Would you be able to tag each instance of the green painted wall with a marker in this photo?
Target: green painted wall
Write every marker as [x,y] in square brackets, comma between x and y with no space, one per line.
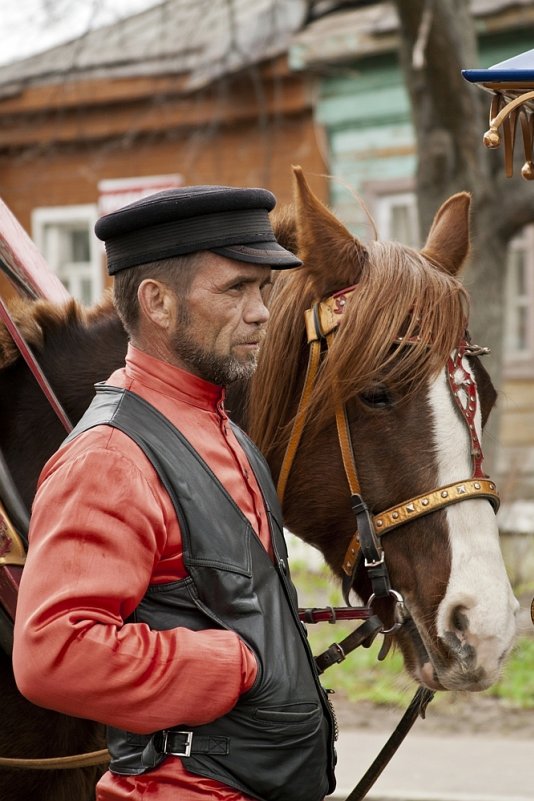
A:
[365,114]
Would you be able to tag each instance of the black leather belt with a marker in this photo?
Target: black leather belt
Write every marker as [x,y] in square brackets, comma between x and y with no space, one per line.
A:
[185,743]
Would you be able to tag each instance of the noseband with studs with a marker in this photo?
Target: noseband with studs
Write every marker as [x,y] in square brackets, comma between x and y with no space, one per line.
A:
[322,320]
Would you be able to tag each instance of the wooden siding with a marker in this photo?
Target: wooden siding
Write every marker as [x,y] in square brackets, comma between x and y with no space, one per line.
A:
[57,143]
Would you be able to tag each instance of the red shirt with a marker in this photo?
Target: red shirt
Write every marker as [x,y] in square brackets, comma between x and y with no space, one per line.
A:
[103,528]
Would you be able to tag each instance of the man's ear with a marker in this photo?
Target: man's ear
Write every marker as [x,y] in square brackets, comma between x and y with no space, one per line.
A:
[157,303]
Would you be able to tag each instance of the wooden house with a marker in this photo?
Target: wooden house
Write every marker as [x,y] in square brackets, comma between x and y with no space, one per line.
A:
[183,93]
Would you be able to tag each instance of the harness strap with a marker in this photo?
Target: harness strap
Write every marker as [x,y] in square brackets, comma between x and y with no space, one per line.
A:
[300,418]
[345,443]
[323,317]
[332,614]
[437,499]
[58,763]
[422,505]
[365,530]
[337,652]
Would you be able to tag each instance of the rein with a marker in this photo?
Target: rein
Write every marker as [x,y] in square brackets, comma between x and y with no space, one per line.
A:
[90,759]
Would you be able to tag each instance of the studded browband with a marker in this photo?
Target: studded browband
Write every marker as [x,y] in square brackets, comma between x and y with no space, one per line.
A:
[423,505]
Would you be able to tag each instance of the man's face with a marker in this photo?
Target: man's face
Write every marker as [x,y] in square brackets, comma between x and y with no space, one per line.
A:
[222,321]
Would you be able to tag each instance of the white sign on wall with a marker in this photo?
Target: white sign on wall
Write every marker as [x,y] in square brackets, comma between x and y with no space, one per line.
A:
[117,192]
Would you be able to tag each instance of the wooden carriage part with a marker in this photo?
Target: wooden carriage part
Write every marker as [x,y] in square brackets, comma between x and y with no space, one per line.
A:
[511,84]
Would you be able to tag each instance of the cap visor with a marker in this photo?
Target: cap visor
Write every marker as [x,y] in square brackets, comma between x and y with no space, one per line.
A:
[269,253]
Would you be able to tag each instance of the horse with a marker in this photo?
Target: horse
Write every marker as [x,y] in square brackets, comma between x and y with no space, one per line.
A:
[414,397]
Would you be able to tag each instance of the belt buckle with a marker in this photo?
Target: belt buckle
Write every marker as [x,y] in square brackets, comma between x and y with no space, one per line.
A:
[187,746]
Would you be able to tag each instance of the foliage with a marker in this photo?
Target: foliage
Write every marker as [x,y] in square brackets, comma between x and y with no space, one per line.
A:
[517,683]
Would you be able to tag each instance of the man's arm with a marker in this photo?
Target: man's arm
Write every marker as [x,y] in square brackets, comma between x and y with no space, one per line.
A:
[98,528]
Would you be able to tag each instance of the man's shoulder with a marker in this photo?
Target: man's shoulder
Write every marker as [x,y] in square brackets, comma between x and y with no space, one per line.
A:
[102,447]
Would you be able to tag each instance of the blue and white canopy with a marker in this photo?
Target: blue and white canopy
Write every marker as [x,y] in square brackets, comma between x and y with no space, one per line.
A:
[511,84]
[518,68]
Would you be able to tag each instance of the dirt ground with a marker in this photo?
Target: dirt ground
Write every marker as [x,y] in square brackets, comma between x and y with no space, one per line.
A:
[452,713]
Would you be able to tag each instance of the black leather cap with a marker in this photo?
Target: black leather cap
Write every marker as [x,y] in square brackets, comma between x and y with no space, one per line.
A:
[227,220]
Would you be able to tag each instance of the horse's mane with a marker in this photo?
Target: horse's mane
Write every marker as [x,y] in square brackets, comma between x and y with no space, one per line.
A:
[38,319]
[399,292]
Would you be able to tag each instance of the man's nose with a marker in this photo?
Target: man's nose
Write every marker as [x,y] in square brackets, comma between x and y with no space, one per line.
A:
[256,310]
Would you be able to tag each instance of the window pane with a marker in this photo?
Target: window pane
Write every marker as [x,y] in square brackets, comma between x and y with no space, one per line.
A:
[401,224]
[521,277]
[518,307]
[80,248]
[65,234]
[86,291]
[521,343]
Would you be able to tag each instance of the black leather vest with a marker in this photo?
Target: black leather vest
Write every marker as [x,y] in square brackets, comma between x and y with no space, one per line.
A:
[276,744]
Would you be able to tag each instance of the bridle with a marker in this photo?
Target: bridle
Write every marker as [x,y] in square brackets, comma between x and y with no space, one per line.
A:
[322,321]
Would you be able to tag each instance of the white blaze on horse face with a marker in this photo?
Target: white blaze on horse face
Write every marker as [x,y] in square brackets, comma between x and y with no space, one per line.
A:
[476,618]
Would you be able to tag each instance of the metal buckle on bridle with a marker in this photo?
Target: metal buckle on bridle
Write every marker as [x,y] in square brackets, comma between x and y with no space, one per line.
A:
[400,612]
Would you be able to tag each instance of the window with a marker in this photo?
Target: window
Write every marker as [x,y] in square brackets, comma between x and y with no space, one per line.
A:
[519,319]
[65,237]
[396,218]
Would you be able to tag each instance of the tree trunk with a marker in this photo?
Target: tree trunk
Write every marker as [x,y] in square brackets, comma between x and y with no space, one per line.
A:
[438,40]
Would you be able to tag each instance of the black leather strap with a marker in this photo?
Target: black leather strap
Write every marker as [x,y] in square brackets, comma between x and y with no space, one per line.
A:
[184,743]
[363,635]
[370,549]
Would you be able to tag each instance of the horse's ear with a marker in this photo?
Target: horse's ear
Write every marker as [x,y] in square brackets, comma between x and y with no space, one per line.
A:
[448,240]
[332,256]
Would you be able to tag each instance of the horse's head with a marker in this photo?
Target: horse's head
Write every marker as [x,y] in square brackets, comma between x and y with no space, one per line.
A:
[416,398]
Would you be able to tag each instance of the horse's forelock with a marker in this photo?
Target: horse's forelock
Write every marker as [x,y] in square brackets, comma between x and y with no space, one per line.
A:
[400,292]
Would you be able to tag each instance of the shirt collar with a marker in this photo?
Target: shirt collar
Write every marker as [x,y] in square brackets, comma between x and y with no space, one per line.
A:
[172,381]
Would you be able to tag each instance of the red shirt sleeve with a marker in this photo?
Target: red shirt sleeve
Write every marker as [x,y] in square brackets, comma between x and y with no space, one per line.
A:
[92,556]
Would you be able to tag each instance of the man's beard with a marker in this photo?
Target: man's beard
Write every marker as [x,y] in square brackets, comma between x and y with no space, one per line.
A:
[221,370]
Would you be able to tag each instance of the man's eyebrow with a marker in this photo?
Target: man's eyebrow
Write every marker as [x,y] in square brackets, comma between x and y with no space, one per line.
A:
[247,278]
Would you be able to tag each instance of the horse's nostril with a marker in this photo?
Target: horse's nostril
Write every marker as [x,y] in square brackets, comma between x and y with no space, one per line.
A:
[459,619]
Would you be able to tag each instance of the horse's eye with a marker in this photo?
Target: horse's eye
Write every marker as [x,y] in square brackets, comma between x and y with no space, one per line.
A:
[377,397]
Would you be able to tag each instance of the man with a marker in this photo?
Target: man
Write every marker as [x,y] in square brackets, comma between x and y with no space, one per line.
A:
[156,596]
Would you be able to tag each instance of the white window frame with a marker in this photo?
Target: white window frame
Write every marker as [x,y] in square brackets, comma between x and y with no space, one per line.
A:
[520,363]
[59,216]
[383,212]
[383,196]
